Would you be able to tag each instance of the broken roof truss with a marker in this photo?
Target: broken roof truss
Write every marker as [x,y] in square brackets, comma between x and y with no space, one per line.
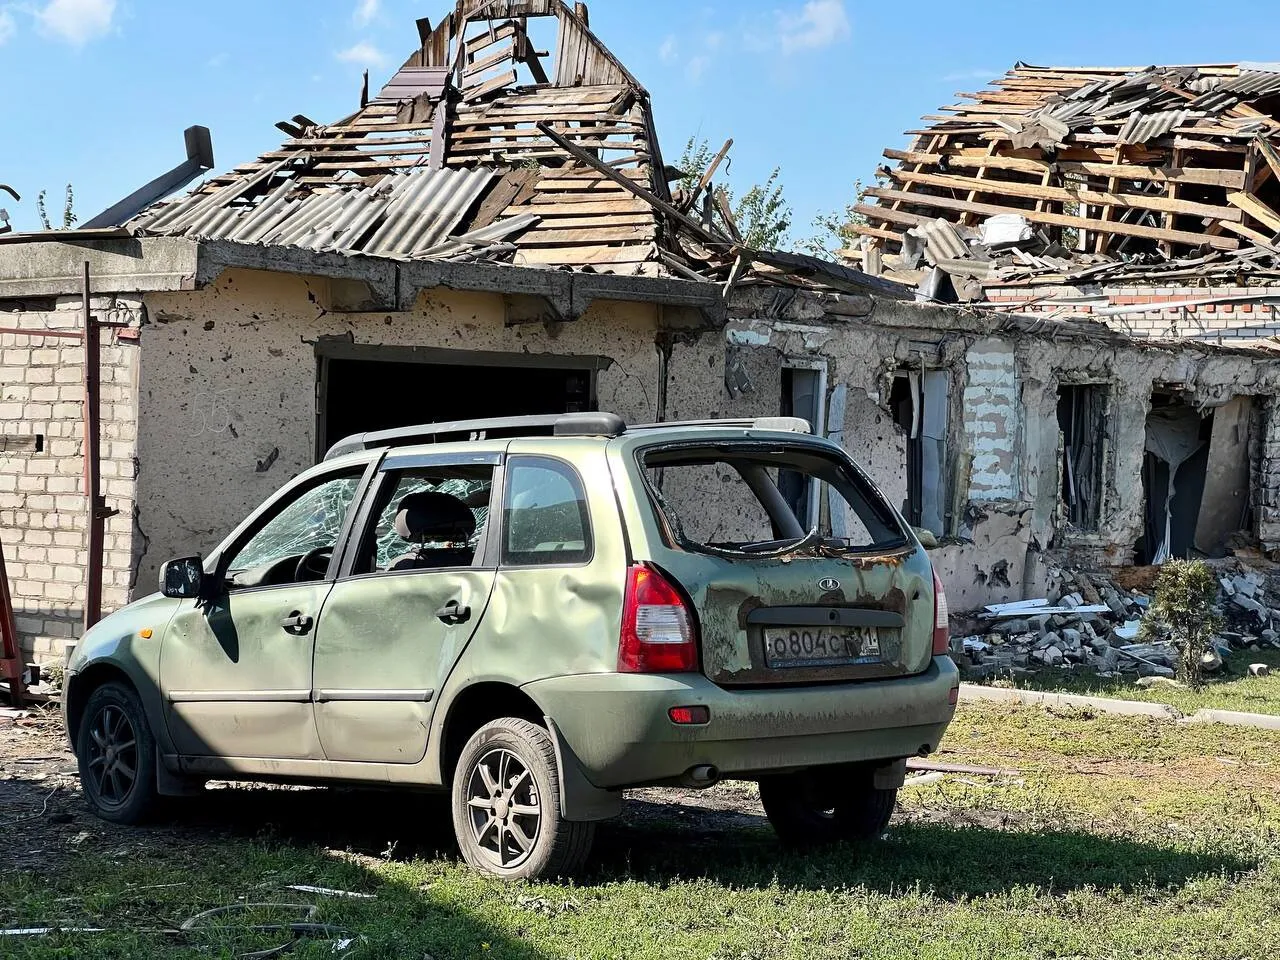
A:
[449,161]
[1100,169]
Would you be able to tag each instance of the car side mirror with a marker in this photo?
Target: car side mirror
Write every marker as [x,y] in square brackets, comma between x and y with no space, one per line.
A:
[183,579]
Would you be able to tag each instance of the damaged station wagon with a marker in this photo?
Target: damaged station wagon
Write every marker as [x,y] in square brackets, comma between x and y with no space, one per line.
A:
[535,615]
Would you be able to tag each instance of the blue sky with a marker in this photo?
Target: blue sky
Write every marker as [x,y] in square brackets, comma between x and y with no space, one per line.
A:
[97,92]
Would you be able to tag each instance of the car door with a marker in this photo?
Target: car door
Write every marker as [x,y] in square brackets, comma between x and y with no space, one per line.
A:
[235,669]
[405,607]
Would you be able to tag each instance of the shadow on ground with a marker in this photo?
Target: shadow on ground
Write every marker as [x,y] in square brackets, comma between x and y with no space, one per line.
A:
[660,841]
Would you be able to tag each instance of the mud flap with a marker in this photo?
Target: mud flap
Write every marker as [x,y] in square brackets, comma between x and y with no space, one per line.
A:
[171,783]
[891,776]
[581,801]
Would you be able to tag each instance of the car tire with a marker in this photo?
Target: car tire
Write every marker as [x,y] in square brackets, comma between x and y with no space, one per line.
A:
[116,753]
[507,809]
[819,807]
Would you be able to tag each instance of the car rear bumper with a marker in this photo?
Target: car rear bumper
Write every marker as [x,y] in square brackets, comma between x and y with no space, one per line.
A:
[619,729]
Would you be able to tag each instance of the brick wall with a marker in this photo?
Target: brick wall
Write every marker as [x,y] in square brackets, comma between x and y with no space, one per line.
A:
[991,420]
[43,510]
[1169,315]
[1268,478]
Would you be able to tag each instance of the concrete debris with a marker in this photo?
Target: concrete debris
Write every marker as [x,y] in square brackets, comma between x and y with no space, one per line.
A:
[1146,683]
[1259,670]
[1089,622]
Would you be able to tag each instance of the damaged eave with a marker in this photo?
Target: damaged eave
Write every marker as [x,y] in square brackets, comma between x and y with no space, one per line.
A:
[396,285]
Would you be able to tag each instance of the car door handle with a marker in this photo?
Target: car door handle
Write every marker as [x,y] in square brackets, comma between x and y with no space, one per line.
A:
[298,623]
[454,613]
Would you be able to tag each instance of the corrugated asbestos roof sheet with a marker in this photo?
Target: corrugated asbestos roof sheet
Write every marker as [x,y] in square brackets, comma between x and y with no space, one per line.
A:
[400,215]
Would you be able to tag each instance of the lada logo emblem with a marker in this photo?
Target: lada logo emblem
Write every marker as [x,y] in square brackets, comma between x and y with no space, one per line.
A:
[829,584]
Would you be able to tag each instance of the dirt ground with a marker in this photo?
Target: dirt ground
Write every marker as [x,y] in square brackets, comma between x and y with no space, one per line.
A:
[41,803]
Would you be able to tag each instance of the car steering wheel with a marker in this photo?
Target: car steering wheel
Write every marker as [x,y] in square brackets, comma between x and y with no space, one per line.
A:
[313,565]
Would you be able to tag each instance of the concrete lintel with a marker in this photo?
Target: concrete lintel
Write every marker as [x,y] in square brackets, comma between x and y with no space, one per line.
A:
[569,294]
[53,267]
[380,276]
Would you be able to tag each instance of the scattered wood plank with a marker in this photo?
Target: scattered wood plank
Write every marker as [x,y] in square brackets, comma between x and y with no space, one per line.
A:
[1056,219]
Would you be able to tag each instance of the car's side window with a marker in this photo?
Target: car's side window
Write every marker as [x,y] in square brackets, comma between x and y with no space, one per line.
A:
[546,520]
[306,526]
[427,518]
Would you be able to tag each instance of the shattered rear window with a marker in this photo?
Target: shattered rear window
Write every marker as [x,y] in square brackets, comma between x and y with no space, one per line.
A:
[748,500]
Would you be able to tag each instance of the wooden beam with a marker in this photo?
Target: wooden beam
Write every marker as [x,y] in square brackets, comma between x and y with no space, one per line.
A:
[657,203]
[1130,171]
[1256,209]
[1034,191]
[1269,154]
[708,175]
[1057,219]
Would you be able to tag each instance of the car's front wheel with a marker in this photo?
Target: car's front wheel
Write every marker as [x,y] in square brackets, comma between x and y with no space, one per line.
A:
[116,753]
[506,805]
[826,805]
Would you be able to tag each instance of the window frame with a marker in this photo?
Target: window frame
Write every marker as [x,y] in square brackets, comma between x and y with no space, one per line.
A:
[274,506]
[386,473]
[571,473]
[819,448]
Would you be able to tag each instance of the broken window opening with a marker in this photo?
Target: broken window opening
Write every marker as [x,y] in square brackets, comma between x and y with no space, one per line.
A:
[1195,477]
[1082,410]
[919,401]
[804,395]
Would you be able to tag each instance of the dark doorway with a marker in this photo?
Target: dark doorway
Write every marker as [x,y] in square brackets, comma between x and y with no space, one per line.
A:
[1082,420]
[1173,478]
[359,395]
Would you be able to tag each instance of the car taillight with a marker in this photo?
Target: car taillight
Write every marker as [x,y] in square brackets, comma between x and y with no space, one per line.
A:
[941,616]
[658,635]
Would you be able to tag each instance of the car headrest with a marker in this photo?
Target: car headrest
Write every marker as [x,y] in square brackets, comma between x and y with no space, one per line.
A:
[428,517]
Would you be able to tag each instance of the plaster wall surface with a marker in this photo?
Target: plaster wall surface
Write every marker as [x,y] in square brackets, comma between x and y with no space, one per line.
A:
[228,386]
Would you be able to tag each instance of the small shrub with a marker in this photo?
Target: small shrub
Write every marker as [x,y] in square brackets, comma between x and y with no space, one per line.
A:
[1183,610]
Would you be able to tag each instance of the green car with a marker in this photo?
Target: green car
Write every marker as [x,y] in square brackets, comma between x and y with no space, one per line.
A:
[534,615]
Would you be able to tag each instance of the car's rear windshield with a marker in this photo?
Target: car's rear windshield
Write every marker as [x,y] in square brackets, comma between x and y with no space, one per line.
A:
[753,498]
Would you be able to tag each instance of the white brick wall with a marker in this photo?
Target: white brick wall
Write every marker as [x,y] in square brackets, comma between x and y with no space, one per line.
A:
[991,421]
[43,510]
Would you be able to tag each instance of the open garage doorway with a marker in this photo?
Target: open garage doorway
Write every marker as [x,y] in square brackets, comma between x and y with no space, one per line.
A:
[364,388]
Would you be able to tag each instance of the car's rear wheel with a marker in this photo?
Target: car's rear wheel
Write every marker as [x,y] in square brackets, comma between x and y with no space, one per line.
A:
[506,805]
[826,805]
[116,753]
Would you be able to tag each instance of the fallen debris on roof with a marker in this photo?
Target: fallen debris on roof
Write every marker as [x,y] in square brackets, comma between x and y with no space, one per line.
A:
[484,148]
[1069,175]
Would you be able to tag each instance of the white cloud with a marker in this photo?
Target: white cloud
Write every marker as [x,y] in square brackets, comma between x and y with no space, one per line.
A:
[669,49]
[363,54]
[696,67]
[77,21]
[818,24]
[8,27]
[366,10]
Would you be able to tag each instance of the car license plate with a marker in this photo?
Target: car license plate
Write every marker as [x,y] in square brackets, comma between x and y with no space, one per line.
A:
[820,647]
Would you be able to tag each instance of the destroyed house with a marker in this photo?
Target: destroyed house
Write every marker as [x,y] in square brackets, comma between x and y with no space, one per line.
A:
[1147,197]
[494,232]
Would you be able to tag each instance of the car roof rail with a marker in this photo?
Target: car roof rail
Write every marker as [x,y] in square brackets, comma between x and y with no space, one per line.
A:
[774,424]
[555,425]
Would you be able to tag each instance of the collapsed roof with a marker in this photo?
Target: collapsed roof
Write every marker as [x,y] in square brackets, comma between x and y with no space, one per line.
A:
[484,148]
[1062,174]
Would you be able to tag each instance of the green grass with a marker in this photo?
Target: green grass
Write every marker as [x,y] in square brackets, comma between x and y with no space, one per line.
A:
[1119,837]
[1233,690]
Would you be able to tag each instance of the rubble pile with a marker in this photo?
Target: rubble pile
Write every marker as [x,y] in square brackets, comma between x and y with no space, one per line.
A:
[1088,622]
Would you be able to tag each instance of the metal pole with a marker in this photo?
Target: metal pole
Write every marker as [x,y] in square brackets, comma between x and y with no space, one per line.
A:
[92,460]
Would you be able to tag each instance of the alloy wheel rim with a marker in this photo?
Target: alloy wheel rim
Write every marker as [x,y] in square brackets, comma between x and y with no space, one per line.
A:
[113,756]
[504,808]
